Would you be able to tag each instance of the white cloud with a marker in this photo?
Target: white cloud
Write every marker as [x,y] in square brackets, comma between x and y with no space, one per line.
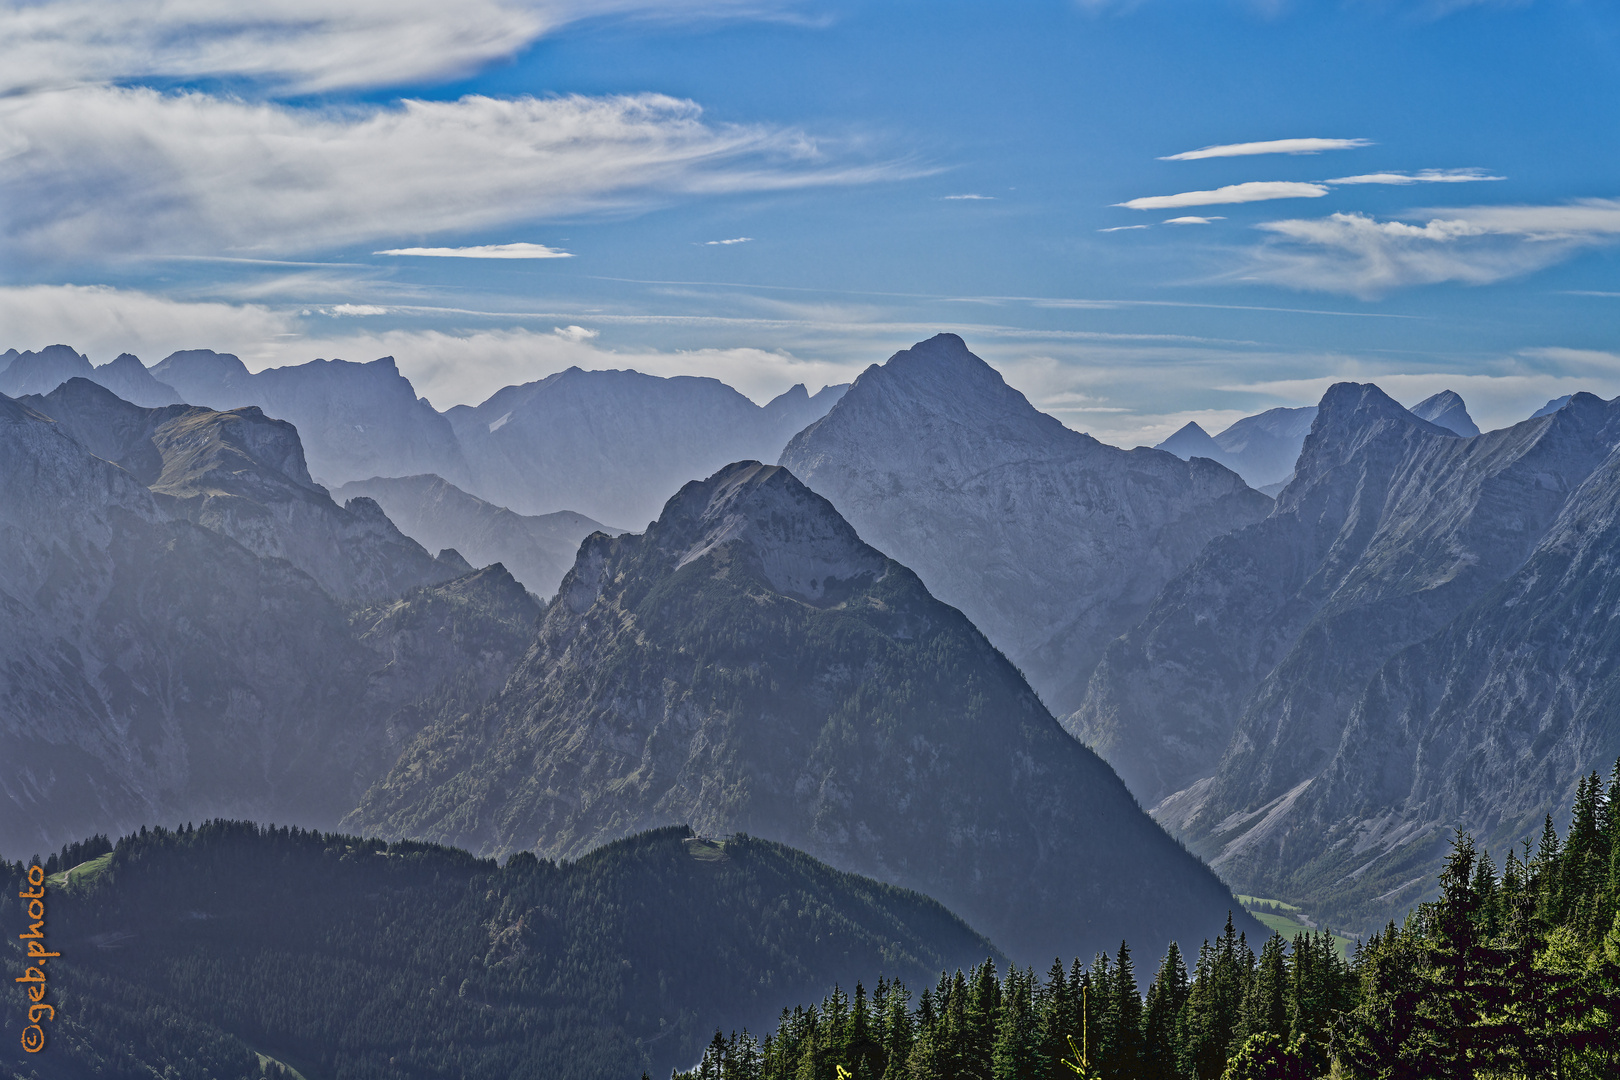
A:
[1192,220]
[1124,228]
[294,46]
[357,309]
[733,240]
[133,170]
[948,198]
[1273,146]
[1254,191]
[1425,176]
[575,333]
[102,322]
[1362,256]
[483,251]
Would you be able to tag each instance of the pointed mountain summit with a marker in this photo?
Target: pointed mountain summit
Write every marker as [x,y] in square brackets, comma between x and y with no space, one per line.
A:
[1552,406]
[1050,541]
[1190,441]
[1230,705]
[1447,409]
[43,371]
[749,664]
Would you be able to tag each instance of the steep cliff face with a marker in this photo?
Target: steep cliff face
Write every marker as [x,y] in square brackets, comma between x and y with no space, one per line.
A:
[748,664]
[1049,541]
[355,420]
[154,666]
[1260,654]
[614,444]
[537,550]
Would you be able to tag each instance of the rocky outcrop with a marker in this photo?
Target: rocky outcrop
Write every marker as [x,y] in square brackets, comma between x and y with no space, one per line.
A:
[43,371]
[1051,542]
[749,664]
[614,444]
[1268,652]
[355,420]
[431,510]
[1446,409]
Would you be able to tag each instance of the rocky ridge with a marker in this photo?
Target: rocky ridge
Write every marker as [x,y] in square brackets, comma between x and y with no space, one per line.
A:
[1051,542]
[749,664]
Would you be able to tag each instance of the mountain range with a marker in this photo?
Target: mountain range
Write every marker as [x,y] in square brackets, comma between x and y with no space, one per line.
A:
[1409,643]
[1051,542]
[749,664]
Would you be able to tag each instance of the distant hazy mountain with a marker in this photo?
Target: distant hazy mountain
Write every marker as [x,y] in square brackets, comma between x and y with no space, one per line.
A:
[1315,655]
[355,420]
[1447,409]
[175,645]
[749,664]
[44,371]
[537,550]
[1050,541]
[1260,448]
[614,444]
[620,964]
[1552,406]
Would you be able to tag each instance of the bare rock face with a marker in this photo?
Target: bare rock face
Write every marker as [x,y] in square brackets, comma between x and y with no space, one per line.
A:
[538,550]
[355,420]
[1308,655]
[748,664]
[1051,542]
[614,444]
[168,649]
[43,371]
[1260,448]
[1448,411]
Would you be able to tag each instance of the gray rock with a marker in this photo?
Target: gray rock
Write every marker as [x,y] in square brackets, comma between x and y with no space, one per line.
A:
[1448,411]
[1051,542]
[42,372]
[1260,448]
[614,444]
[537,550]
[749,664]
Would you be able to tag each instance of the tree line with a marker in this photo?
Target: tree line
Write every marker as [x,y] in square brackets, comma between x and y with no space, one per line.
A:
[1508,973]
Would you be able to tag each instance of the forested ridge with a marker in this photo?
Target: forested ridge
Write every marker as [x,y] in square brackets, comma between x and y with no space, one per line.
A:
[218,952]
[1508,974]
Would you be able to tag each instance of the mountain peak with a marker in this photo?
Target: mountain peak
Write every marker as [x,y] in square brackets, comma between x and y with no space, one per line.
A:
[789,535]
[1448,411]
[1190,441]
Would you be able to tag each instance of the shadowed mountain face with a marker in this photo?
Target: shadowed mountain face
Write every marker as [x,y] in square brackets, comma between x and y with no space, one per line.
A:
[1050,541]
[622,963]
[614,444]
[1274,649]
[1447,410]
[749,664]
[355,420]
[44,371]
[537,550]
[1260,448]
[176,642]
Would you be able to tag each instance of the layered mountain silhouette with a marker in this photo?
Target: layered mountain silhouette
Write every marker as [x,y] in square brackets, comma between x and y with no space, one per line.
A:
[614,444]
[749,664]
[191,624]
[355,420]
[42,372]
[1260,448]
[1325,656]
[1050,541]
[537,550]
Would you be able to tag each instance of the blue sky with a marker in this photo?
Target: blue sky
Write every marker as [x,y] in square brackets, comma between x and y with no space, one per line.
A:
[173,177]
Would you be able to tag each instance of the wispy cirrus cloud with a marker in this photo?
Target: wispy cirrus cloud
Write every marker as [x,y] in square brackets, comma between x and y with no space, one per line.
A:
[108,170]
[969,197]
[1192,219]
[297,46]
[1270,146]
[1254,191]
[1424,176]
[1362,256]
[728,243]
[483,251]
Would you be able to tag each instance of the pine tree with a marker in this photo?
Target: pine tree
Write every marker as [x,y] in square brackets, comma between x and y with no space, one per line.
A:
[1119,1051]
[1058,1021]
[1017,1050]
[1163,1026]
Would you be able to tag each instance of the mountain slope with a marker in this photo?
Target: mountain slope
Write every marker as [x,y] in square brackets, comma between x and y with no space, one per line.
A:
[614,444]
[1049,541]
[355,420]
[537,550]
[433,963]
[152,665]
[749,664]
[242,474]
[1258,655]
